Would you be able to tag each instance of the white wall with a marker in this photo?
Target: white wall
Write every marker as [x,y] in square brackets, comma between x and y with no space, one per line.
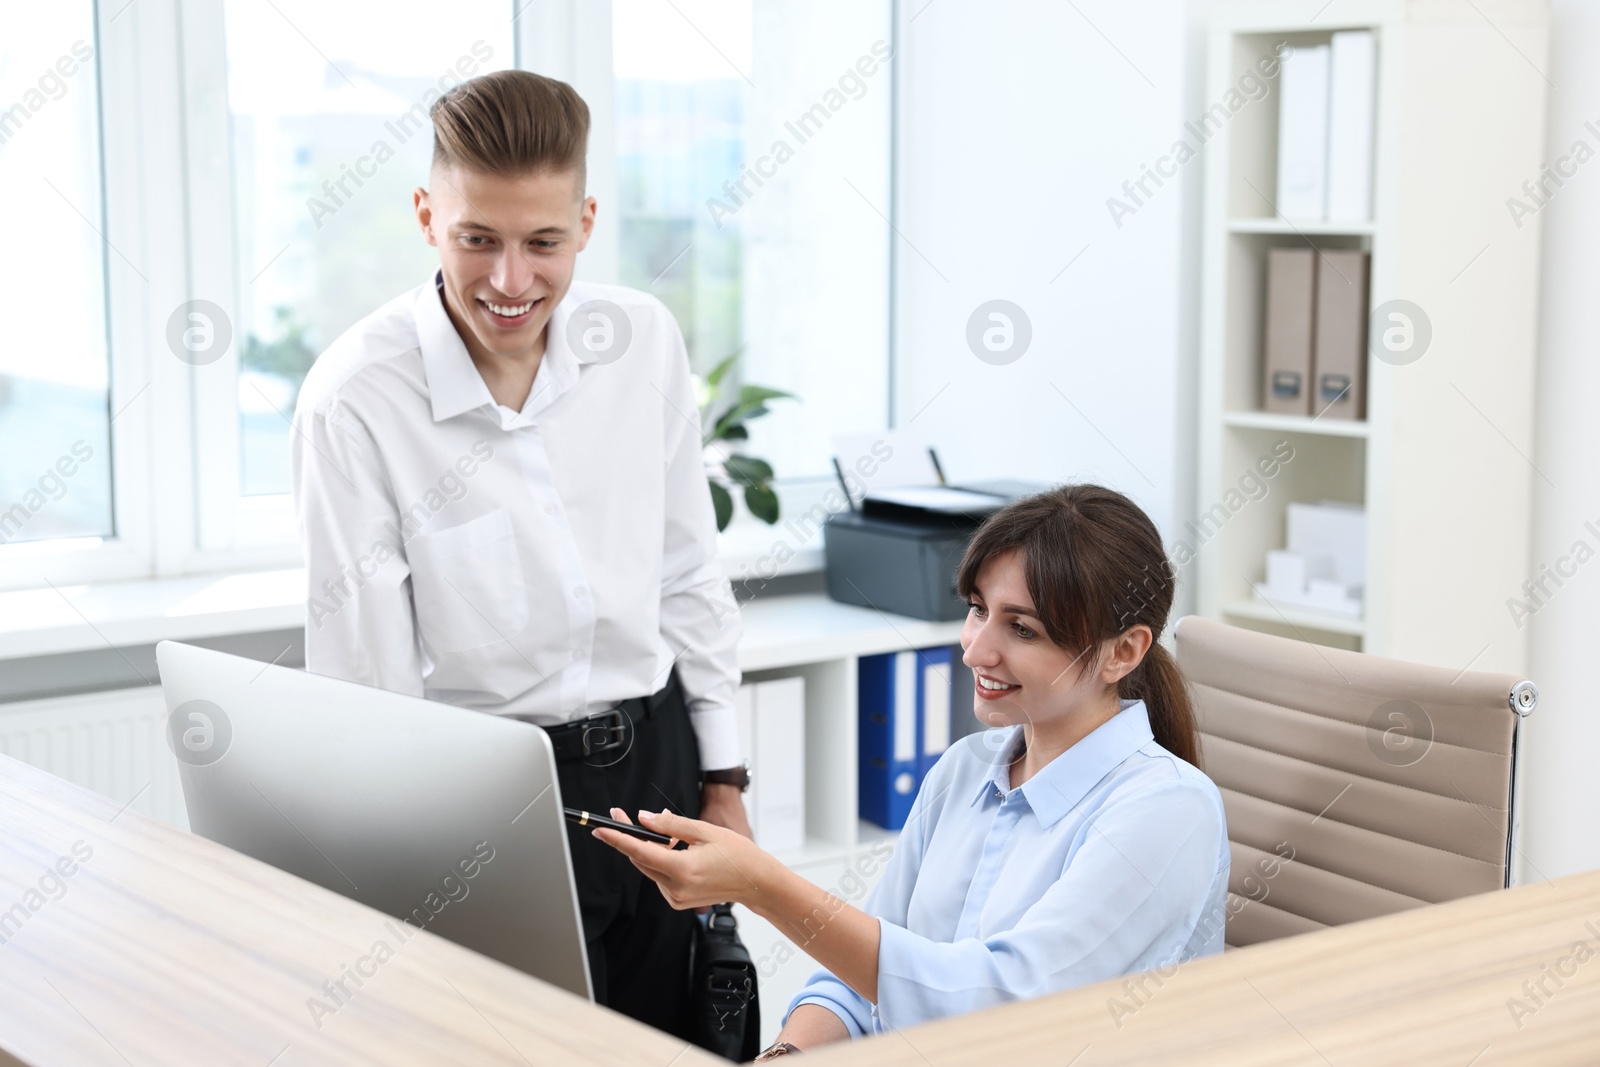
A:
[1017,122]
[816,300]
[1561,788]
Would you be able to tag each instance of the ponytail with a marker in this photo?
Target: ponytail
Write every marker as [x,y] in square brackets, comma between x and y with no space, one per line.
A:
[1160,684]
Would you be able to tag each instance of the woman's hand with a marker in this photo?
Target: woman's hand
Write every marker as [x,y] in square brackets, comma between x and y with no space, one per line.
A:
[719,864]
[722,865]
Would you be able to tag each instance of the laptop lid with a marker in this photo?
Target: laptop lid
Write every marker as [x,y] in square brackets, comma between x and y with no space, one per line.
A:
[446,818]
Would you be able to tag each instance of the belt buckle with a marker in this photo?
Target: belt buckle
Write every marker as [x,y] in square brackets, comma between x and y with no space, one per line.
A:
[598,736]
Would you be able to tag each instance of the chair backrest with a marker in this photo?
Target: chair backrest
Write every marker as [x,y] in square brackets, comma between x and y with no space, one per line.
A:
[1355,786]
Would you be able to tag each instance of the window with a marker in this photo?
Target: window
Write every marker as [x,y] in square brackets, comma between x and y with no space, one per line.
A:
[680,132]
[753,174]
[328,123]
[327,134]
[237,171]
[55,415]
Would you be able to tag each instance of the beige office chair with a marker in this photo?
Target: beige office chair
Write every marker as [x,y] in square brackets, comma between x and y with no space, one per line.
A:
[1390,784]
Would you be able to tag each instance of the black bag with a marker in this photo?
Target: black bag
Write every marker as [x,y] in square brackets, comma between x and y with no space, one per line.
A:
[726,1011]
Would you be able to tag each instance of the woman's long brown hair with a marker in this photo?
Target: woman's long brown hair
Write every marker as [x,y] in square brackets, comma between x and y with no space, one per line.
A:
[1095,565]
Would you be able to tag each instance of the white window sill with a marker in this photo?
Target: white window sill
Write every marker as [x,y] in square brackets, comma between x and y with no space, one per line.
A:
[76,618]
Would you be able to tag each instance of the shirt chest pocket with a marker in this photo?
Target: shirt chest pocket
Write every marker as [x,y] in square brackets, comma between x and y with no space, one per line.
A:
[467,584]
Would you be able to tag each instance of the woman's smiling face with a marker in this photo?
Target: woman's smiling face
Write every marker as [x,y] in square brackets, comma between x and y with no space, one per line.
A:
[1019,674]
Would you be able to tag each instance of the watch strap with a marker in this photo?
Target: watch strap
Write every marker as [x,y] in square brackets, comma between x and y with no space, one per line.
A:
[739,776]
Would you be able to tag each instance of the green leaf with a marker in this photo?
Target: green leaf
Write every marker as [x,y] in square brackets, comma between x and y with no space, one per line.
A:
[762,502]
[721,370]
[730,418]
[737,413]
[736,432]
[723,503]
[749,470]
[755,394]
[750,405]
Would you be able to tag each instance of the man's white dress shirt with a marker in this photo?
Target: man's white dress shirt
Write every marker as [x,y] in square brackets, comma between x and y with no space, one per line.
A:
[545,562]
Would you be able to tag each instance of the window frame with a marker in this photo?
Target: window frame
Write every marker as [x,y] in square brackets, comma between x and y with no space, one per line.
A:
[149,446]
[177,508]
[231,529]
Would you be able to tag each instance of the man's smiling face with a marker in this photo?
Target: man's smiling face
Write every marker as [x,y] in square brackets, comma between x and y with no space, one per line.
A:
[507,247]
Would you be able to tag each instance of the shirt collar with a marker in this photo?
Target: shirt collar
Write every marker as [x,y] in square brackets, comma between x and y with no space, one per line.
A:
[454,384]
[1057,788]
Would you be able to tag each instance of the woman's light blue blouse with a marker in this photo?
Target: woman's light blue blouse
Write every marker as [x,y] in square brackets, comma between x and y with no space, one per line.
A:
[1110,860]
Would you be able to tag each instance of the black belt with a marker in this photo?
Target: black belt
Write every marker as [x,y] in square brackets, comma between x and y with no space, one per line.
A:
[608,730]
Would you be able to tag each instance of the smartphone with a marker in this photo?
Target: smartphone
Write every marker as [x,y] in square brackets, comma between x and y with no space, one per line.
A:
[589,818]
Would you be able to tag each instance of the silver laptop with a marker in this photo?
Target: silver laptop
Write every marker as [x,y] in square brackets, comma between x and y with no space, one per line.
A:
[446,818]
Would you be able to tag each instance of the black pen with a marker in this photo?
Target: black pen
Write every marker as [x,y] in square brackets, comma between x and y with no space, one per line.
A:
[589,818]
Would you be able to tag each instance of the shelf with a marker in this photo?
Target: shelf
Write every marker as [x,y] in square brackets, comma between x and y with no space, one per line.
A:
[818,850]
[1309,229]
[803,628]
[1263,420]
[1305,618]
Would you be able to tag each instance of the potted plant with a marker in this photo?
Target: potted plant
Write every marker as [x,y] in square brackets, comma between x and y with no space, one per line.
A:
[726,468]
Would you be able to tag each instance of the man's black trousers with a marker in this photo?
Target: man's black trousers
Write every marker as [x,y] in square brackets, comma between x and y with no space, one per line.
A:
[639,946]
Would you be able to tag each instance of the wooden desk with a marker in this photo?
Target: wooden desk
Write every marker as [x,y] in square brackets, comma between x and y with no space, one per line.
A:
[166,948]
[1430,986]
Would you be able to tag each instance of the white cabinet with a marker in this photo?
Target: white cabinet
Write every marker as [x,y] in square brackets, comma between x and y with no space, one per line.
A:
[1442,461]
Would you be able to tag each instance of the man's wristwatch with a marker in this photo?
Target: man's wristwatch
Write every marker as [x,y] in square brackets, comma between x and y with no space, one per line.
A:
[776,1049]
[739,776]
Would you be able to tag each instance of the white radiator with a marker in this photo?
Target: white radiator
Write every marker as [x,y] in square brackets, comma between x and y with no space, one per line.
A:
[113,743]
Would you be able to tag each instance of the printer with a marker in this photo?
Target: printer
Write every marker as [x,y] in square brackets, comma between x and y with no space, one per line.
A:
[897,552]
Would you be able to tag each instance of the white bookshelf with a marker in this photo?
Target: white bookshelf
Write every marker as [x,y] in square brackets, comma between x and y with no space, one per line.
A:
[1440,460]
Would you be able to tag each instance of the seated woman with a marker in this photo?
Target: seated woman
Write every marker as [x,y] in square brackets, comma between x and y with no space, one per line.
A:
[1074,842]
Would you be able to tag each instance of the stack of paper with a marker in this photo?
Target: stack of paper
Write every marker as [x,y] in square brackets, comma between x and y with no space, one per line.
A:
[1324,566]
[938,498]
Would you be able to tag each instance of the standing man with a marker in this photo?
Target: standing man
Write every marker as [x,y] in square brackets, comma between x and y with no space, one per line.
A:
[503,506]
